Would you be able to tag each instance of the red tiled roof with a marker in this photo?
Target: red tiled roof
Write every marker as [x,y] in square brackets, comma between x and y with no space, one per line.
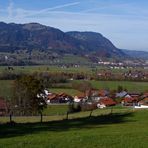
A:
[130,99]
[144,101]
[50,97]
[56,96]
[81,95]
[102,92]
[107,101]
[64,95]
[146,94]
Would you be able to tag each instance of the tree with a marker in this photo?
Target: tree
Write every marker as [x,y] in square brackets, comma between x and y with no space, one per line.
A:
[119,89]
[82,86]
[29,95]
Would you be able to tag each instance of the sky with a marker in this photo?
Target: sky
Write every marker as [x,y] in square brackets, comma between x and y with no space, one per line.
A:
[124,22]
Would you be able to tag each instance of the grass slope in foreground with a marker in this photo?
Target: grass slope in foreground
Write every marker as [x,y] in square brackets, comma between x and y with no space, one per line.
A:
[127,130]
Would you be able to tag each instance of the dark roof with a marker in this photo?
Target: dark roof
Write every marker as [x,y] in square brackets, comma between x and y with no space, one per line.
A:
[135,93]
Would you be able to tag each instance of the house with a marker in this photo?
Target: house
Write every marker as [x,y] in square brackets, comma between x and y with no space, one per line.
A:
[105,102]
[129,101]
[80,97]
[93,95]
[52,98]
[134,94]
[121,94]
[145,95]
[103,93]
[59,98]
[142,104]
[65,98]
[3,107]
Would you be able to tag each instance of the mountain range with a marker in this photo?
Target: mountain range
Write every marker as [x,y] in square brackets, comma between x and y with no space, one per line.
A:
[136,54]
[34,36]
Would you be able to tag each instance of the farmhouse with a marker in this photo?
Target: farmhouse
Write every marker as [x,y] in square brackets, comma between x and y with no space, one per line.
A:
[129,101]
[105,102]
[80,97]
[143,102]
[145,95]
[121,94]
[59,98]
[103,93]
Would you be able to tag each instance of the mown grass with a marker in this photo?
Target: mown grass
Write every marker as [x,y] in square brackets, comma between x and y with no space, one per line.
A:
[46,68]
[130,86]
[113,85]
[119,130]
[71,92]
[56,110]
[59,112]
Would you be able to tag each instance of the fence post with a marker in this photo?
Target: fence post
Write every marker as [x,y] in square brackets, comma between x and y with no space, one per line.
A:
[10,117]
[67,115]
[41,117]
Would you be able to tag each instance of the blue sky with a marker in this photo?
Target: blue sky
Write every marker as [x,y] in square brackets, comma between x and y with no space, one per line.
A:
[124,22]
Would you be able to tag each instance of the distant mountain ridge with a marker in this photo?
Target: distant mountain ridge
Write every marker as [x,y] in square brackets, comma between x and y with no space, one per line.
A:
[98,44]
[136,54]
[34,36]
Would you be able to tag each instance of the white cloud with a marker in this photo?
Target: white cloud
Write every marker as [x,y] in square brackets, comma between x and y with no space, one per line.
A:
[27,13]
[10,9]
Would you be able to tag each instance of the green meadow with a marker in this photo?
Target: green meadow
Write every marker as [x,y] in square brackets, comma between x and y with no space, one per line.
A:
[129,85]
[121,129]
[7,85]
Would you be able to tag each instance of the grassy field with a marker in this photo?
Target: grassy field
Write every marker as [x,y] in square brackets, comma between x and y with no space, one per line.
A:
[71,92]
[59,112]
[131,86]
[56,110]
[6,87]
[46,68]
[51,68]
[120,130]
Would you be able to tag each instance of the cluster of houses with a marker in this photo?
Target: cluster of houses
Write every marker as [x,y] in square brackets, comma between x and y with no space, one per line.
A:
[130,75]
[93,98]
[102,98]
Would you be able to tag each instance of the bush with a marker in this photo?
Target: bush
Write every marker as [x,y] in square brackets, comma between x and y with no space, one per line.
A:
[74,107]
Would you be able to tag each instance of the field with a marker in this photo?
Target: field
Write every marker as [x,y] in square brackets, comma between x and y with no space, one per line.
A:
[6,87]
[131,86]
[118,130]
[117,127]
[46,68]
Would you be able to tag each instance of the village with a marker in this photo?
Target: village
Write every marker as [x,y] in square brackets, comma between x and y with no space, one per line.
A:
[89,100]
